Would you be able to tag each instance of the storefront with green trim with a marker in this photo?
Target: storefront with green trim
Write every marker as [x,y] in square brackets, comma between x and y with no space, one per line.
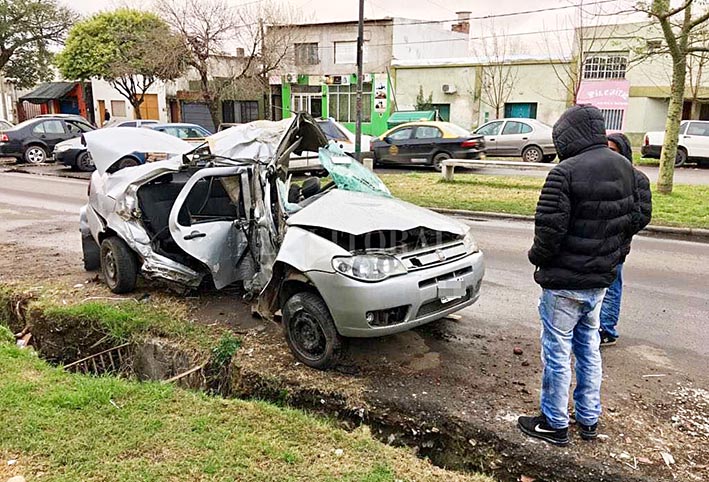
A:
[335,96]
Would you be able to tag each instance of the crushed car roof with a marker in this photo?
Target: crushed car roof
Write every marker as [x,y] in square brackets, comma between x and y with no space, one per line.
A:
[109,145]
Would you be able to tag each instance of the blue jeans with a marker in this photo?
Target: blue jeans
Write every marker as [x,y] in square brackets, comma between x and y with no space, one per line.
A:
[570,323]
[610,309]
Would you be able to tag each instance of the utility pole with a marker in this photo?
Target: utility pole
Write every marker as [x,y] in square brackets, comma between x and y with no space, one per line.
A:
[360,41]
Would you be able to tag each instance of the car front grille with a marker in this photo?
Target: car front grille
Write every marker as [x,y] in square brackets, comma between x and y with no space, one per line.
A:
[450,275]
[433,256]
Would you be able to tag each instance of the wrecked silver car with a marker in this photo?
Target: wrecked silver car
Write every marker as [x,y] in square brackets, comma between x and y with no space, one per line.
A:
[338,259]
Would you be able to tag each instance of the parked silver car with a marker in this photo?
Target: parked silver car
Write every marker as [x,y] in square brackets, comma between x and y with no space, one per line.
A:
[346,259]
[526,138]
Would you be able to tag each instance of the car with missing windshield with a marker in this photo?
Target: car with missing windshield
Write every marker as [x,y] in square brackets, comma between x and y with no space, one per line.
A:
[426,143]
[343,259]
[529,139]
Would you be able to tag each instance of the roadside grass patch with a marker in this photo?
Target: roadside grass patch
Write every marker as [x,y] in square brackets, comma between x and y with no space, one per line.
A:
[687,206]
[77,427]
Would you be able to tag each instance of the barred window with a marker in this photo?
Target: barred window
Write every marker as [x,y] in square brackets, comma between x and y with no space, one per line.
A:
[605,67]
[613,118]
[343,102]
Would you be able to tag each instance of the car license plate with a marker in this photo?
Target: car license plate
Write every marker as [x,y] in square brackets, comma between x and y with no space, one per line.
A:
[451,290]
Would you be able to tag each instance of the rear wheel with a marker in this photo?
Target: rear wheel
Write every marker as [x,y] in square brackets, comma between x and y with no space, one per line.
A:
[84,162]
[118,265]
[310,331]
[681,157]
[35,155]
[532,154]
[438,160]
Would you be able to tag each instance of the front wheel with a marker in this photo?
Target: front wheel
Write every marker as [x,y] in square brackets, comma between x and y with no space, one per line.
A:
[681,157]
[549,158]
[119,265]
[310,331]
[438,160]
[532,154]
[84,162]
[35,155]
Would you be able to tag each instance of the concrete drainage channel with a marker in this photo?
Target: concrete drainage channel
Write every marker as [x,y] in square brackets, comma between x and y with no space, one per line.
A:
[446,441]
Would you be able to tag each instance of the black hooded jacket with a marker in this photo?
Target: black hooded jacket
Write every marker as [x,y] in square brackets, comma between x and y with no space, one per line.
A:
[643,194]
[585,214]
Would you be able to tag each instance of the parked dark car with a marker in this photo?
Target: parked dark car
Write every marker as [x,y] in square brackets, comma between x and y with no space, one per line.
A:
[34,140]
[426,143]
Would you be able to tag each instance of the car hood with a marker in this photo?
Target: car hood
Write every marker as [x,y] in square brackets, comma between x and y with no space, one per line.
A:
[358,213]
[109,145]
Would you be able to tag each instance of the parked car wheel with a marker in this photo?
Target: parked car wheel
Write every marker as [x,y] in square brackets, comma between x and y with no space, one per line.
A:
[549,158]
[35,155]
[310,331]
[118,265]
[532,154]
[84,162]
[681,157]
[91,252]
[438,160]
[127,162]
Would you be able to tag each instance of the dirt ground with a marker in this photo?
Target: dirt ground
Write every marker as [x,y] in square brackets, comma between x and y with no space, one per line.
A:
[656,417]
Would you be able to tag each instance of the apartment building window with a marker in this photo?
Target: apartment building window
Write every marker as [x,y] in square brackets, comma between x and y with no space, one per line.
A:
[307,54]
[346,52]
[605,67]
[613,118]
[342,102]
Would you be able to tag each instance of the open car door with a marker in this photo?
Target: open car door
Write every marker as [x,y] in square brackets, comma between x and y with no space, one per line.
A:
[209,222]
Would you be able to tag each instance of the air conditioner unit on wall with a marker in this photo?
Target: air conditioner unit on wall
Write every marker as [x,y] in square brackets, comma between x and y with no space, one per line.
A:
[291,78]
[448,88]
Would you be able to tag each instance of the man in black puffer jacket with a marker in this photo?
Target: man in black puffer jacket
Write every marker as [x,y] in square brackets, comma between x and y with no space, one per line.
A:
[584,219]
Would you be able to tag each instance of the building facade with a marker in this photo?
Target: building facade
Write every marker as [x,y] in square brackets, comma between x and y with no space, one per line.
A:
[319,74]
[457,89]
[107,99]
[624,72]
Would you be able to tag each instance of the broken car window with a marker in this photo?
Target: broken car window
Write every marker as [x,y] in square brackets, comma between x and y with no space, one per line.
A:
[350,175]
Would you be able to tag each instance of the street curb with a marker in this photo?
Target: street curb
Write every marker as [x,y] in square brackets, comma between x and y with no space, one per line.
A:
[696,234]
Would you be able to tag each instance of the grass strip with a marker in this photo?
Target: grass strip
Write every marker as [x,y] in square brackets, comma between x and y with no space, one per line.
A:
[75,427]
[687,206]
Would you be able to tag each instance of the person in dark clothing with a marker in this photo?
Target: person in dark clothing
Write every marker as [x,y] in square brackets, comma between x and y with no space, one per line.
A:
[610,308]
[106,116]
[584,219]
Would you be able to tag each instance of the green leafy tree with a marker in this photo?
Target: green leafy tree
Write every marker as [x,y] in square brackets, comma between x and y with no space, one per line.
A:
[128,48]
[28,29]
[422,102]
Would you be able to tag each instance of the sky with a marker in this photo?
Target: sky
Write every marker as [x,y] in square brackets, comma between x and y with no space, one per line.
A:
[523,30]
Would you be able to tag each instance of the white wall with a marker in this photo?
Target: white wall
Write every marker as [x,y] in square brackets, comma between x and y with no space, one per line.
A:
[102,90]
[413,40]
[463,107]
[646,114]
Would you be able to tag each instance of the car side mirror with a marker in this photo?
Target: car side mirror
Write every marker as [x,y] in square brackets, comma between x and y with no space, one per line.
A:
[387,139]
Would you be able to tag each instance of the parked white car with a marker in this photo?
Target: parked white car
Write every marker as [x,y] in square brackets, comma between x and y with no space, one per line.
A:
[693,143]
[342,260]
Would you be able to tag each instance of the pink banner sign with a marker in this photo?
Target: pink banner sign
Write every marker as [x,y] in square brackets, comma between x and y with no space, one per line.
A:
[604,94]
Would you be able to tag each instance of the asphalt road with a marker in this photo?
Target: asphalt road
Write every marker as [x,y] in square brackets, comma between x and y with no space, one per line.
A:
[665,304]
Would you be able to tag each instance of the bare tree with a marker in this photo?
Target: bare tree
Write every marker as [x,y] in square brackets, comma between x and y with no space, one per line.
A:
[213,32]
[697,63]
[586,37]
[680,29]
[499,74]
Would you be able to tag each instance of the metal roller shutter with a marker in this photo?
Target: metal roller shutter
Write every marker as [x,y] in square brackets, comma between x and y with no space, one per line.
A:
[197,113]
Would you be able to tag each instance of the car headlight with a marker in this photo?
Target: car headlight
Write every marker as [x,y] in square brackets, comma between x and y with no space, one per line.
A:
[470,245]
[61,148]
[368,267]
